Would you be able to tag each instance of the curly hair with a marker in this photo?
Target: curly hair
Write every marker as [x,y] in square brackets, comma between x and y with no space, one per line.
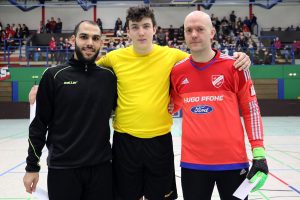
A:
[138,13]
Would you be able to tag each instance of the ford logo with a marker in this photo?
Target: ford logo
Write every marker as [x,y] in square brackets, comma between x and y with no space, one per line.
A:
[201,109]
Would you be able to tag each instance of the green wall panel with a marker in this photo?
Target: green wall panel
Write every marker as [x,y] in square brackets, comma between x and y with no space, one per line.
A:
[291,82]
[266,72]
[26,77]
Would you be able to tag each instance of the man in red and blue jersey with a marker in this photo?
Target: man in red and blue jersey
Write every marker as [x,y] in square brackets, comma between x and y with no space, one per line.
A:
[210,92]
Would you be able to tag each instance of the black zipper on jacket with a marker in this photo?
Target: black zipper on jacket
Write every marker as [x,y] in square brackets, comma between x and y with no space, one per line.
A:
[86,68]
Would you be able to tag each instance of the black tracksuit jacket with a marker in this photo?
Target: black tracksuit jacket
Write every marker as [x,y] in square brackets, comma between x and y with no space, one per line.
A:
[74,104]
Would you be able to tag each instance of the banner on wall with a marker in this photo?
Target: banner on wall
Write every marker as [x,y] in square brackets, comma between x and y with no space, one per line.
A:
[4,73]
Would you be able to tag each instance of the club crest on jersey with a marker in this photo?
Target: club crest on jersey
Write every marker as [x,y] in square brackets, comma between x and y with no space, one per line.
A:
[201,109]
[217,80]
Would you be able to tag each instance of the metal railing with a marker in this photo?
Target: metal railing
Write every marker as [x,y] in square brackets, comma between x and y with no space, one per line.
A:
[43,56]
[10,45]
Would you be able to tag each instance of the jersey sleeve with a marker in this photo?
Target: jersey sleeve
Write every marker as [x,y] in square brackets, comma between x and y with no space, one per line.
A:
[105,61]
[250,109]
[175,96]
[39,126]
[181,55]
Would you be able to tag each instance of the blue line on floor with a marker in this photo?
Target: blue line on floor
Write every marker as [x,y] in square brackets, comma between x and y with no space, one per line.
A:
[9,170]
[296,190]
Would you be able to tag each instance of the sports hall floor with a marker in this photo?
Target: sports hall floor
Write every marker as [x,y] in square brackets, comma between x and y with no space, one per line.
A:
[282,140]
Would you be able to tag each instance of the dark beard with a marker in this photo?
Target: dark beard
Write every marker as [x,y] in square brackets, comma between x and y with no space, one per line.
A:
[81,58]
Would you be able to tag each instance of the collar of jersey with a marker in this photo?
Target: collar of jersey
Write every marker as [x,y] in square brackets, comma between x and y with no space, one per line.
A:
[206,65]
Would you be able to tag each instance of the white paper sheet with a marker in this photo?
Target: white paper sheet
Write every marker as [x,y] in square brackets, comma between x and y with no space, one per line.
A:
[245,188]
[32,111]
[40,194]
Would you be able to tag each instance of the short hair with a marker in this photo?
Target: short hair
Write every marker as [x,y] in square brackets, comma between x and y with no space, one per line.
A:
[86,21]
[137,13]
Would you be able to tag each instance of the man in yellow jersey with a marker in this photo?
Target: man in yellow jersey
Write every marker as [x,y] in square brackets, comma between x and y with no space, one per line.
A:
[143,159]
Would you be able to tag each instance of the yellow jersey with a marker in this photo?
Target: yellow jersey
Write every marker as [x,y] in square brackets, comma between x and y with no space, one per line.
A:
[143,85]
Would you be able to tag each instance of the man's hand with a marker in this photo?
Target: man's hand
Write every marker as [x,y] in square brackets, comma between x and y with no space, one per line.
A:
[32,94]
[171,107]
[243,61]
[30,181]
[259,169]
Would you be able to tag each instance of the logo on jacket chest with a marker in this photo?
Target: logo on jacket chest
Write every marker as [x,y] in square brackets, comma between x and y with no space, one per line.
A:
[70,82]
[217,80]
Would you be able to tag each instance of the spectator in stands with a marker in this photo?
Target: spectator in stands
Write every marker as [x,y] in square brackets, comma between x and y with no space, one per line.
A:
[224,26]
[239,25]
[123,42]
[161,37]
[9,31]
[110,46]
[267,57]
[277,43]
[99,22]
[13,27]
[247,22]
[120,44]
[297,28]
[252,44]
[60,51]
[58,27]
[296,46]
[37,54]
[224,20]
[2,39]
[174,43]
[232,18]
[120,32]
[171,32]
[125,26]
[10,40]
[52,25]
[254,26]
[183,47]
[19,32]
[286,53]
[42,28]
[118,23]
[52,48]
[72,44]
[48,30]
[241,44]
[180,34]
[246,31]
[217,25]
[25,31]
[128,42]
[67,49]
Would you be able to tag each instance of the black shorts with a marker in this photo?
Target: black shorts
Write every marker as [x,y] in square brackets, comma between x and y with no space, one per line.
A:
[143,167]
[199,184]
[86,183]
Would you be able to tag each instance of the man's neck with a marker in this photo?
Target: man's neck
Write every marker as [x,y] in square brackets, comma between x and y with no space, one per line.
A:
[143,51]
[203,56]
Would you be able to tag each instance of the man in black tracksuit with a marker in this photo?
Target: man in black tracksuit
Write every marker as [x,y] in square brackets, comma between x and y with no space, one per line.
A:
[74,104]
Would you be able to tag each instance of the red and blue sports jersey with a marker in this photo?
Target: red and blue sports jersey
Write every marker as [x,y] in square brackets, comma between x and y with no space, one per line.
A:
[211,95]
